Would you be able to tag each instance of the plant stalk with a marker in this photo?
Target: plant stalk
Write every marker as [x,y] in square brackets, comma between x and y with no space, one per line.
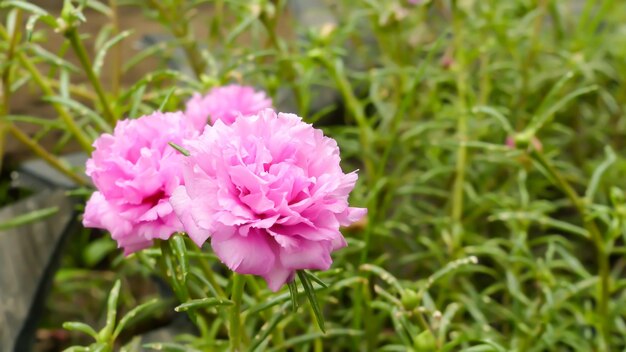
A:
[604,322]
[461,159]
[235,314]
[45,155]
[83,57]
[5,85]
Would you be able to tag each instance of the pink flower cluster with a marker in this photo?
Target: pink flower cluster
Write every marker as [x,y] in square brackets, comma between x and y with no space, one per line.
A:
[226,104]
[267,189]
[135,172]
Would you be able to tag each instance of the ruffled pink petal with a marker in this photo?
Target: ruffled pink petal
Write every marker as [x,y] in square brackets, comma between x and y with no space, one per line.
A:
[246,255]
[181,203]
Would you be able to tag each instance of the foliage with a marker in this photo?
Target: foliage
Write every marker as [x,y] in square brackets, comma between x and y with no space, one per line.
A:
[489,137]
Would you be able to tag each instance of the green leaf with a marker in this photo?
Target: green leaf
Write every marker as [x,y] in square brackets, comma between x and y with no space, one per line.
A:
[310,293]
[28,218]
[180,149]
[170,347]
[24,5]
[97,250]
[267,329]
[383,274]
[598,172]
[52,59]
[177,243]
[106,332]
[134,313]
[540,119]
[203,303]
[504,122]
[316,279]
[166,99]
[77,349]
[293,293]
[98,62]
[301,339]
[81,109]
[82,327]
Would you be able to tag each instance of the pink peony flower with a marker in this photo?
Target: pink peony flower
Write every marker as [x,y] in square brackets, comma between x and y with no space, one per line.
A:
[135,172]
[270,193]
[225,104]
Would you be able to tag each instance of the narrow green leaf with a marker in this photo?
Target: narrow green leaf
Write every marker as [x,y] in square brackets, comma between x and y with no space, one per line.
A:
[267,329]
[383,274]
[542,118]
[77,349]
[310,293]
[52,59]
[106,332]
[97,250]
[299,340]
[99,6]
[598,172]
[135,312]
[28,218]
[504,122]
[203,303]
[180,149]
[24,5]
[166,99]
[293,292]
[177,242]
[82,327]
[98,62]
[81,109]
[136,99]
[169,347]
[316,279]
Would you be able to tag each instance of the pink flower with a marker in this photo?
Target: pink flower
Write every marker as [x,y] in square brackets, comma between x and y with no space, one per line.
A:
[270,193]
[135,172]
[225,103]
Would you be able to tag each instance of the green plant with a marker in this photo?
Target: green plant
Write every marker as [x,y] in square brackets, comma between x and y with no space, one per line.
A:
[471,243]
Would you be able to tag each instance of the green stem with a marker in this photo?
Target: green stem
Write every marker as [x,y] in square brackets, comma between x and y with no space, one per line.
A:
[208,273]
[5,89]
[44,154]
[461,160]
[235,314]
[116,57]
[604,321]
[81,52]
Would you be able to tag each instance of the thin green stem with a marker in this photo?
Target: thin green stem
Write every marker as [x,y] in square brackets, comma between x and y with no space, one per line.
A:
[83,57]
[5,88]
[461,159]
[604,321]
[116,57]
[208,273]
[45,155]
[83,139]
[235,314]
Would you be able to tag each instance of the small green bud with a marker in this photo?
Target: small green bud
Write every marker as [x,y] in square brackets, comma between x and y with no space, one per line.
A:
[617,196]
[424,342]
[410,299]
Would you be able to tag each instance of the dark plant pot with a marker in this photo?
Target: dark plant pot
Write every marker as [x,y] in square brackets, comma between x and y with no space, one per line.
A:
[29,257]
